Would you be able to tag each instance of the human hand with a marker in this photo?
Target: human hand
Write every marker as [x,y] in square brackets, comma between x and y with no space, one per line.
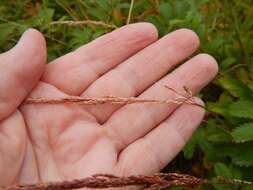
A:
[44,142]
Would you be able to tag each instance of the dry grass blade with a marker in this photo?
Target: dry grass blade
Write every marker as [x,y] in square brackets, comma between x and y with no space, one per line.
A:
[130,12]
[83,22]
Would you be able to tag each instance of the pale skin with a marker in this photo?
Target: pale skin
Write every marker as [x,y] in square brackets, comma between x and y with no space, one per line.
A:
[66,141]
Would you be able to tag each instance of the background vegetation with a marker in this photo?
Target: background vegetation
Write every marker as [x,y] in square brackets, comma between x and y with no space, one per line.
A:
[223,146]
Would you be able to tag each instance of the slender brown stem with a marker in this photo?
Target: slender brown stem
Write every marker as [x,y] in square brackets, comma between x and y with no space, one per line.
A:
[156,181]
[187,99]
[103,100]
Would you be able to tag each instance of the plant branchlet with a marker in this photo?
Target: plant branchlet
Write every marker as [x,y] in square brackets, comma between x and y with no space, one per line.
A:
[100,181]
[180,99]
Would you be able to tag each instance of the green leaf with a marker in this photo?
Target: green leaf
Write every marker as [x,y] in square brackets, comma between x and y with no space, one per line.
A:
[104,4]
[157,22]
[216,132]
[166,11]
[247,188]
[227,171]
[217,135]
[209,149]
[181,8]
[242,155]
[218,107]
[243,133]
[243,109]
[227,63]
[221,169]
[5,31]
[190,147]
[80,37]
[236,87]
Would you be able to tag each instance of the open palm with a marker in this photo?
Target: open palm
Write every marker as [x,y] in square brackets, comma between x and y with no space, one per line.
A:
[42,142]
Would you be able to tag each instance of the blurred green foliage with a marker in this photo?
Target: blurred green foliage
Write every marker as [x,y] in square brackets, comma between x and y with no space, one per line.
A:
[223,146]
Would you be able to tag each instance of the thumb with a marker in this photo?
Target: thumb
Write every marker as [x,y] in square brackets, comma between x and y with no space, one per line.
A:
[20,70]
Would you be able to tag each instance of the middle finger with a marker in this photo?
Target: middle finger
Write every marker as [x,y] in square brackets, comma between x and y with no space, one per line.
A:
[140,71]
[135,120]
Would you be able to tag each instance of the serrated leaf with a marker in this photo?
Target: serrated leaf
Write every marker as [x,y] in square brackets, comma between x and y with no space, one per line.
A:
[222,170]
[236,87]
[243,133]
[228,171]
[243,109]
[242,155]
[218,138]
[218,107]
[216,133]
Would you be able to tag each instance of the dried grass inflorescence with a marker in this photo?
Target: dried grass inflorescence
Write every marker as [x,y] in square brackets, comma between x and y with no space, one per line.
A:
[157,181]
[181,98]
[100,181]
[84,22]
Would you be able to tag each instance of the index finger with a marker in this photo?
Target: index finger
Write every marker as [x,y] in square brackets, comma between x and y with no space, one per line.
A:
[75,71]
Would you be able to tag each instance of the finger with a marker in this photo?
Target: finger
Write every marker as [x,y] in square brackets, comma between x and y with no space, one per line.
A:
[20,70]
[74,72]
[163,143]
[142,70]
[135,120]
[12,147]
